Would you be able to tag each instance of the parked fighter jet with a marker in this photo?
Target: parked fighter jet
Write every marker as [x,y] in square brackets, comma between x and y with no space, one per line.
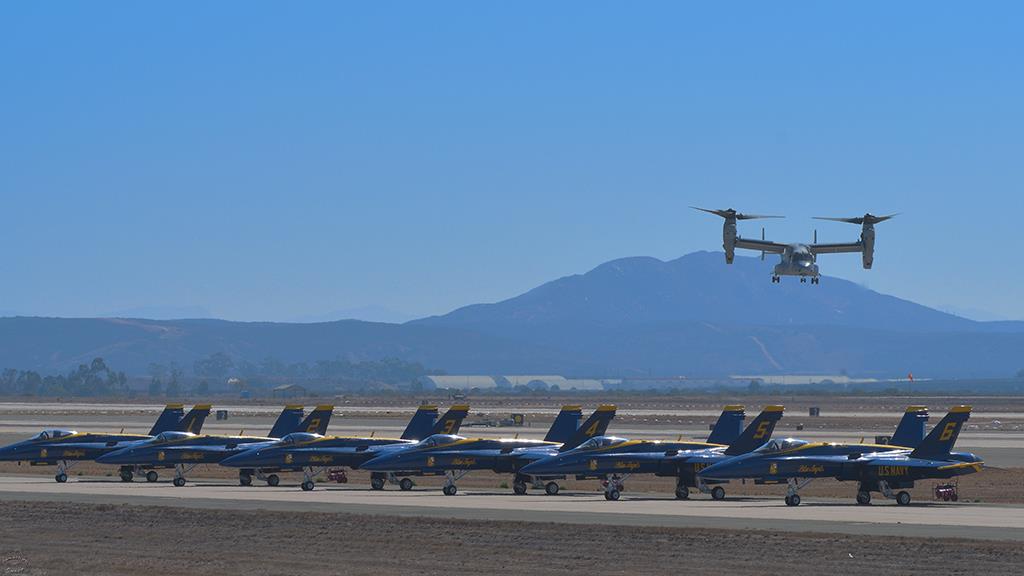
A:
[311,453]
[615,459]
[456,456]
[797,259]
[876,468]
[64,447]
[184,450]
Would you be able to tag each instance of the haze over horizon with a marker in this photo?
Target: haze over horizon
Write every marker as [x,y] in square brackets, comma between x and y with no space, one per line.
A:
[409,161]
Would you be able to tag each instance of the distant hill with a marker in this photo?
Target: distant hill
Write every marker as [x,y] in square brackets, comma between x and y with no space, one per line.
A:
[690,316]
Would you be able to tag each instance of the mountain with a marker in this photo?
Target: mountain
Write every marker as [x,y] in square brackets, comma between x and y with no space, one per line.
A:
[699,287]
[693,316]
[371,313]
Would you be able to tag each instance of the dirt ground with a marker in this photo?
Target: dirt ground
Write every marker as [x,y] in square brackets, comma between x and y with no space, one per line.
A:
[54,538]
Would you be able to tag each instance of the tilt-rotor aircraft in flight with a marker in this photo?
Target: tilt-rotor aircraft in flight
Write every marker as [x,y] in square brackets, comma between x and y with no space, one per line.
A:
[876,468]
[64,447]
[185,450]
[797,259]
[311,453]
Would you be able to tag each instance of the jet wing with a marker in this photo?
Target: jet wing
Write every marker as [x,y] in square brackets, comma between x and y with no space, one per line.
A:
[761,245]
[835,248]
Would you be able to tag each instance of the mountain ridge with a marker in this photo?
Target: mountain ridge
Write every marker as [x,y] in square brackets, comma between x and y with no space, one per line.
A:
[693,315]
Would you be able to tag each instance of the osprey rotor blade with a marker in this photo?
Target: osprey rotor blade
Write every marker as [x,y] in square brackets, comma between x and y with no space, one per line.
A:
[732,213]
[865,219]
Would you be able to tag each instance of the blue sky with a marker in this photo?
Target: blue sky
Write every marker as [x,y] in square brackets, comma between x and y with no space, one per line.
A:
[286,161]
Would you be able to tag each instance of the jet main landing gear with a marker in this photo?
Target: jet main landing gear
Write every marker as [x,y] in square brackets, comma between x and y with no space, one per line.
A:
[613,486]
[792,494]
[179,474]
[62,472]
[450,478]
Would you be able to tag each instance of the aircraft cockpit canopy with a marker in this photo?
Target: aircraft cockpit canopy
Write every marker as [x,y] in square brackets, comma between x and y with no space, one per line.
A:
[780,445]
[299,437]
[439,439]
[53,434]
[600,442]
[171,435]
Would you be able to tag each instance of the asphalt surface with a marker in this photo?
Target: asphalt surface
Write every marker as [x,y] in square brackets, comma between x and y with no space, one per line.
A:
[974,521]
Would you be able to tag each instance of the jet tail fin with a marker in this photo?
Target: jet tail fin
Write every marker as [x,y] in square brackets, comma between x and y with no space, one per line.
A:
[729,425]
[287,422]
[193,421]
[317,420]
[757,433]
[910,431]
[421,423]
[452,420]
[596,425]
[168,419]
[939,442]
[565,424]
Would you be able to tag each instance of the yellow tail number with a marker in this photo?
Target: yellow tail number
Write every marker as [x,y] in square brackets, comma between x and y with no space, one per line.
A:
[947,431]
[449,425]
[762,430]
[314,424]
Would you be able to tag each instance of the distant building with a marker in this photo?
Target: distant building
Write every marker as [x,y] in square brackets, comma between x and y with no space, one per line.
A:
[510,382]
[289,391]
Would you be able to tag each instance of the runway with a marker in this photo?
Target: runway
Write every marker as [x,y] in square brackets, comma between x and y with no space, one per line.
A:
[973,521]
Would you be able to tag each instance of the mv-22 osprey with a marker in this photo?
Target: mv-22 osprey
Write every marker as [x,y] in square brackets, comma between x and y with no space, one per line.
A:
[797,259]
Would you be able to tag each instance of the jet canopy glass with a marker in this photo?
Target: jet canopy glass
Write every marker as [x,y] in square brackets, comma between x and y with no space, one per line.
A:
[171,435]
[52,434]
[439,439]
[600,442]
[780,445]
[298,437]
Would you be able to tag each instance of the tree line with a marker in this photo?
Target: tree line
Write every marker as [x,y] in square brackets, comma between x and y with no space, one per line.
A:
[93,379]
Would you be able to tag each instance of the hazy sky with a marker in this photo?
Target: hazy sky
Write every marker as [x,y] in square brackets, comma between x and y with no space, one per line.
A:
[287,160]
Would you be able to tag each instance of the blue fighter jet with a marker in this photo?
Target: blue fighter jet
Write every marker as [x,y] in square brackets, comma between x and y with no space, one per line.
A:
[614,459]
[65,447]
[185,450]
[456,456]
[312,453]
[876,468]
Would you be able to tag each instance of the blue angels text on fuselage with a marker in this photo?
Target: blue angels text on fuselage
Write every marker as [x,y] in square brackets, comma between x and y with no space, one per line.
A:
[797,259]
